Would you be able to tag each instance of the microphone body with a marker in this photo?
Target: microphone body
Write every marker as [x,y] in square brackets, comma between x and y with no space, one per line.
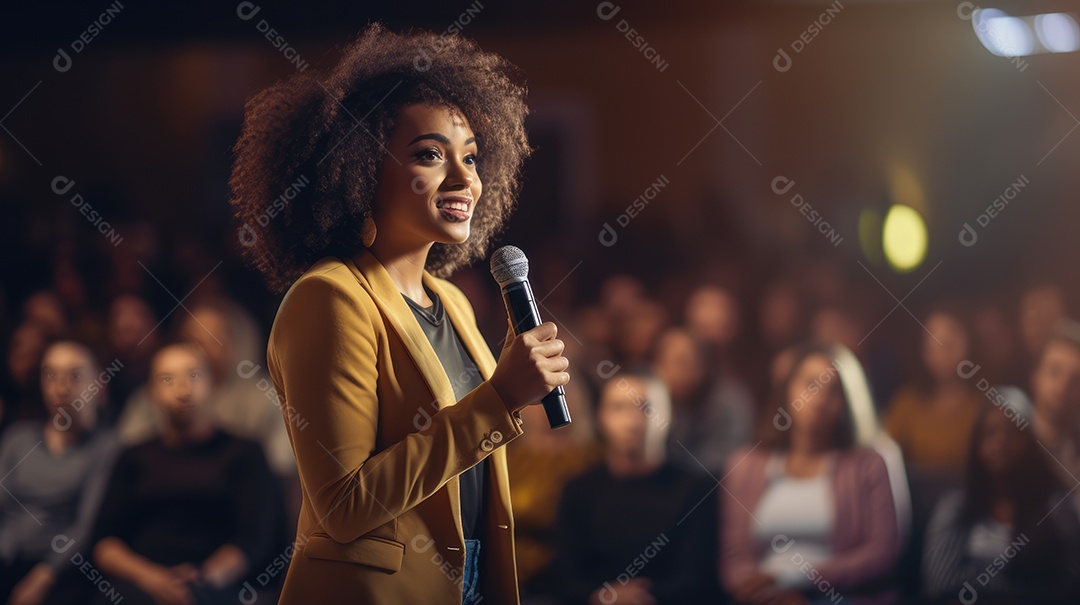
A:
[521,309]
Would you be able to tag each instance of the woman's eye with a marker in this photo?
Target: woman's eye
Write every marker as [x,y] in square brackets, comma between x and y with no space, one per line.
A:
[472,159]
[428,155]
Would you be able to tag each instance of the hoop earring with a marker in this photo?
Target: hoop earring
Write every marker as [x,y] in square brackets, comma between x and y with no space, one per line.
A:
[368,231]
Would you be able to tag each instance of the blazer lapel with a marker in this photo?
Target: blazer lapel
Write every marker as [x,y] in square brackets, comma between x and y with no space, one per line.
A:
[400,316]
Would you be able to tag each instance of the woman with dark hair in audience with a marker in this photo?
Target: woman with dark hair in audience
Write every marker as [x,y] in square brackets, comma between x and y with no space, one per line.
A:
[808,516]
[53,471]
[1011,535]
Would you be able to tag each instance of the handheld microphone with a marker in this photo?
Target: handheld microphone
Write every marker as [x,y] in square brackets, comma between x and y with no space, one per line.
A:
[510,269]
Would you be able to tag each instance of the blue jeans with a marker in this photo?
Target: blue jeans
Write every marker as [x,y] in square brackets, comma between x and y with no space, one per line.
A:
[470,591]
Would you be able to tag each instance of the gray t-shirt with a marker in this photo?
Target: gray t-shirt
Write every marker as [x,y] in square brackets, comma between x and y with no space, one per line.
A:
[49,502]
[464,377]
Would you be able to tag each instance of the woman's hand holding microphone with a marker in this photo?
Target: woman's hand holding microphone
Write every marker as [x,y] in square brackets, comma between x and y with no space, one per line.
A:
[530,365]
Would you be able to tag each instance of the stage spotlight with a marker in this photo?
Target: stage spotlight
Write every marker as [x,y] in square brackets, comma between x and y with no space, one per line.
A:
[1058,32]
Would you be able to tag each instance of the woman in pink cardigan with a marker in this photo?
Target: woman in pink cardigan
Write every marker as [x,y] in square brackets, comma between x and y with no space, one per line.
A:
[808,516]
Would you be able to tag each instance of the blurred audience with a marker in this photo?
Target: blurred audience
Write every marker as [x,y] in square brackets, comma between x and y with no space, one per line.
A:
[21,381]
[931,419]
[53,472]
[808,515]
[191,513]
[636,529]
[713,416]
[132,334]
[1055,390]
[676,370]
[1008,536]
[541,462]
[243,401]
[1041,307]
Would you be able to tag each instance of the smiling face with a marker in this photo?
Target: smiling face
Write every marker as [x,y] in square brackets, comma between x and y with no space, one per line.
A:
[428,184]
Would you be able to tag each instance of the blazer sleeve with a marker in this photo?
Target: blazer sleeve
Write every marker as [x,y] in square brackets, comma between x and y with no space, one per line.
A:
[323,356]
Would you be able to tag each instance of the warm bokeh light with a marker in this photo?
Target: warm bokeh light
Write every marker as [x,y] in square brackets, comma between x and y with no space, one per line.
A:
[904,238]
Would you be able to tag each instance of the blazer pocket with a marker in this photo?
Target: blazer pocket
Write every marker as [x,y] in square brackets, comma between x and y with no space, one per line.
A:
[383,553]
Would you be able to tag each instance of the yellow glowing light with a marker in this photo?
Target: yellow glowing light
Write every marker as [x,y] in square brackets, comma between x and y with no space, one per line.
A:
[904,238]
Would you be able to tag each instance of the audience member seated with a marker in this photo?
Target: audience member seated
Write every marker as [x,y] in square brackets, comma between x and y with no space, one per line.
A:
[19,394]
[808,515]
[636,529]
[1007,537]
[54,472]
[541,462]
[713,416]
[191,513]
[244,401]
[932,422]
[132,332]
[1055,391]
[1042,306]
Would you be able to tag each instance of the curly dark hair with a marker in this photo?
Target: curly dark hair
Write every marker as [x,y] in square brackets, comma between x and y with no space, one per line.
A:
[308,157]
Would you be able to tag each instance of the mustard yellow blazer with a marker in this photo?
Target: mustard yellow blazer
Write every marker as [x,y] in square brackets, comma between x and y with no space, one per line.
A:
[380,440]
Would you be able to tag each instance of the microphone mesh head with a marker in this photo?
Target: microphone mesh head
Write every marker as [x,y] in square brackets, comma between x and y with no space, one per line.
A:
[508,263]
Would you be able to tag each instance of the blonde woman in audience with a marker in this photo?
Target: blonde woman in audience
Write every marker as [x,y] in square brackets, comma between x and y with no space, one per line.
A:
[808,515]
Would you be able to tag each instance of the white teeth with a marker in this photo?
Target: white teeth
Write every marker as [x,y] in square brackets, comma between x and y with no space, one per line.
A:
[462,206]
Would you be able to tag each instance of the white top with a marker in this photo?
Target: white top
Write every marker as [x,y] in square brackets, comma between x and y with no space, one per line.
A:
[796,517]
[989,539]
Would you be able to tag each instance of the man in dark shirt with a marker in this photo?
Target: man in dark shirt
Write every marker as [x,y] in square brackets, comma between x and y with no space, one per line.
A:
[190,513]
[637,529]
